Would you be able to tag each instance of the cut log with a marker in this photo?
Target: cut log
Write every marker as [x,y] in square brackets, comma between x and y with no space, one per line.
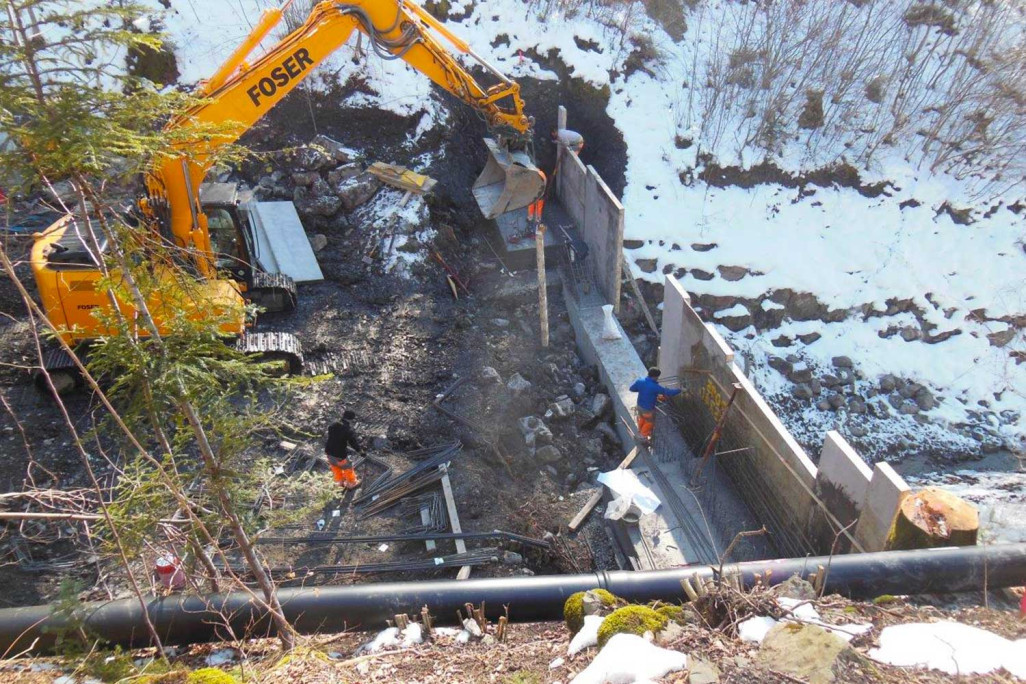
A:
[932,518]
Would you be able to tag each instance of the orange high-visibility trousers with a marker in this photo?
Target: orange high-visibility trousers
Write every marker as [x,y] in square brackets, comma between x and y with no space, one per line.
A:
[344,475]
[646,423]
[535,209]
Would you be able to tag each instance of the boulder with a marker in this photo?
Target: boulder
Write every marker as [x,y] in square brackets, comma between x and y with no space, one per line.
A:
[804,306]
[305,178]
[924,400]
[318,242]
[837,402]
[490,375]
[805,651]
[732,273]
[356,191]
[809,338]
[802,392]
[800,374]
[699,274]
[548,454]
[310,158]
[908,408]
[857,406]
[512,558]
[579,390]
[842,362]
[562,408]
[517,384]
[646,265]
[535,431]
[888,383]
[600,403]
[333,149]
[782,366]
[343,173]
[910,333]
[309,203]
[910,390]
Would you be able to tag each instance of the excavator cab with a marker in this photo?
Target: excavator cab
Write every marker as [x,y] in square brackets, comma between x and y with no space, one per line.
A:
[234,245]
[509,181]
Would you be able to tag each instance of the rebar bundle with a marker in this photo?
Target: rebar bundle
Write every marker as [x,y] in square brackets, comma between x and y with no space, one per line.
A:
[424,470]
[472,558]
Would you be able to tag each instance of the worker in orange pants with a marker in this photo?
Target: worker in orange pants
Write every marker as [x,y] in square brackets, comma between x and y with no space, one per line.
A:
[341,436]
[649,392]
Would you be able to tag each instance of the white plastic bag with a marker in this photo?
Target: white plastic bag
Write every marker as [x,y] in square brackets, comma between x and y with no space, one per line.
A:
[610,331]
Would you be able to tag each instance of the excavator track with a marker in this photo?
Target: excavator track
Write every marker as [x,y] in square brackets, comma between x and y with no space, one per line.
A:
[63,372]
[273,291]
[274,346]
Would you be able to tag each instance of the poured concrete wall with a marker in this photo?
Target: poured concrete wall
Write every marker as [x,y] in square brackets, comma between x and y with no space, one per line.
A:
[598,216]
[803,506]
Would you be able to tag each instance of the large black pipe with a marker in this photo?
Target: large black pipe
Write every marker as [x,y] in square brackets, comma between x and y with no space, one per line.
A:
[188,619]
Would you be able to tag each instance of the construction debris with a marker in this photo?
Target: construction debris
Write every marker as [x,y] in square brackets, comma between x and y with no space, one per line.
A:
[402,178]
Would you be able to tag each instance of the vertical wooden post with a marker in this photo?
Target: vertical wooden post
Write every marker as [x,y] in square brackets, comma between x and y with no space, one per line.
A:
[543,295]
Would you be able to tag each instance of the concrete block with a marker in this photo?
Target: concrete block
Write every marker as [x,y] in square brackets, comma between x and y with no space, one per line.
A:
[686,341]
[603,231]
[883,497]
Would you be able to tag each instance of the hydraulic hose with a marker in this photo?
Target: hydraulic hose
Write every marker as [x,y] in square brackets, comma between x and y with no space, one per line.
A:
[184,619]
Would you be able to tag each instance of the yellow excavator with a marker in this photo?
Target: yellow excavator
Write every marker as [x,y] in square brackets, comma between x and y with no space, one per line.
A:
[65,258]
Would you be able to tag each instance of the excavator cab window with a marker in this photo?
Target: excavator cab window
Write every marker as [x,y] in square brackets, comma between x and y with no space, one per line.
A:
[225,239]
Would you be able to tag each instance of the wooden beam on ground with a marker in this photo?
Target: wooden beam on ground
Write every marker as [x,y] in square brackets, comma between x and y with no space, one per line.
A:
[637,295]
[597,496]
[454,521]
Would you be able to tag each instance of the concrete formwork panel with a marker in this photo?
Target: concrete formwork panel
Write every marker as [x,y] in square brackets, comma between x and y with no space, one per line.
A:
[603,231]
[842,480]
[880,506]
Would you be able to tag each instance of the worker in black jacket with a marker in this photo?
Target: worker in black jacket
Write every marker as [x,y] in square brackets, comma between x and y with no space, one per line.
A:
[341,436]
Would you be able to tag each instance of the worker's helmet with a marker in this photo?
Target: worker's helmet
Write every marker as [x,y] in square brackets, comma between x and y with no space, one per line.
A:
[654,372]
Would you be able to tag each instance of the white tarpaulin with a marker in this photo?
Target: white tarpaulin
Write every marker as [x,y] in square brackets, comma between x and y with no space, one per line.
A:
[282,245]
[625,484]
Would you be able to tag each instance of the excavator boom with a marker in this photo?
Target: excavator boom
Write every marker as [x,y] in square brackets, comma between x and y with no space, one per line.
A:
[238,94]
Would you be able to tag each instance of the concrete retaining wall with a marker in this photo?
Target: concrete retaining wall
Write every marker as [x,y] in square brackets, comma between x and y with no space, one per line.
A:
[803,506]
[598,215]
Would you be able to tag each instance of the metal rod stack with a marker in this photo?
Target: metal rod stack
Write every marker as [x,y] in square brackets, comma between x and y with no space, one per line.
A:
[383,494]
[476,557]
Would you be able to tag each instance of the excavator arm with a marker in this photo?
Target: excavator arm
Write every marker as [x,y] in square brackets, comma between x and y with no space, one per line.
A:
[239,94]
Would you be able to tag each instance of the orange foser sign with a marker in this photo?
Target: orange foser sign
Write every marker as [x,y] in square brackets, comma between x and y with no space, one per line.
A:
[280,76]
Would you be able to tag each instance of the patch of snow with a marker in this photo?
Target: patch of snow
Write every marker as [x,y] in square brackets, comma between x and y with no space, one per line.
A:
[628,658]
[755,629]
[587,636]
[387,638]
[950,647]
[221,656]
[412,635]
[557,663]
[736,310]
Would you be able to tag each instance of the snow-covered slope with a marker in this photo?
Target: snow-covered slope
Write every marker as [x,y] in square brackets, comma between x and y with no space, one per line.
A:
[856,255]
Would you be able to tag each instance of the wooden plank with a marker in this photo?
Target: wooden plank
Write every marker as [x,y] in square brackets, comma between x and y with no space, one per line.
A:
[454,522]
[401,178]
[597,496]
[637,295]
[425,518]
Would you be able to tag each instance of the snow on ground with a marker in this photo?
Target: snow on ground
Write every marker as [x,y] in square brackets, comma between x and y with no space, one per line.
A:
[950,647]
[854,253]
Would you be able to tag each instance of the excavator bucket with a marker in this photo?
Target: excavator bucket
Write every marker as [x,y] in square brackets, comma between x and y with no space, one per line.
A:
[510,181]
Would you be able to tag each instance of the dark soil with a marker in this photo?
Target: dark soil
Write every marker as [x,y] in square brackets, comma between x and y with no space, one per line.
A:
[412,339]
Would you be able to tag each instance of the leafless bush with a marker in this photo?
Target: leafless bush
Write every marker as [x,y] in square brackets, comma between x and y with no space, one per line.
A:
[942,84]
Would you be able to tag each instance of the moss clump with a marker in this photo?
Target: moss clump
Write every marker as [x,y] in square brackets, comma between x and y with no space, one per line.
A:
[630,620]
[673,613]
[211,675]
[173,677]
[573,609]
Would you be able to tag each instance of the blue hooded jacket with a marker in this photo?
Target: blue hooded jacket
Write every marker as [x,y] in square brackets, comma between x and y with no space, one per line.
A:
[648,390]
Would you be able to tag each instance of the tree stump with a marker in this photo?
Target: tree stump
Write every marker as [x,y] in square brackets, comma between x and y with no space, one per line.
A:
[931,518]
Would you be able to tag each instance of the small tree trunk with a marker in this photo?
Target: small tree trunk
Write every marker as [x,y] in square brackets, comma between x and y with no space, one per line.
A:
[933,518]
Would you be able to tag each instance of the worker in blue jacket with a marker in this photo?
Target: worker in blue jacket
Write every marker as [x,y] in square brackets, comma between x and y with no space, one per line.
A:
[649,392]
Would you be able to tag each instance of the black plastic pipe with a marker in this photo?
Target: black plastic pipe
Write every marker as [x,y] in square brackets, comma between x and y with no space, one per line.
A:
[189,619]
